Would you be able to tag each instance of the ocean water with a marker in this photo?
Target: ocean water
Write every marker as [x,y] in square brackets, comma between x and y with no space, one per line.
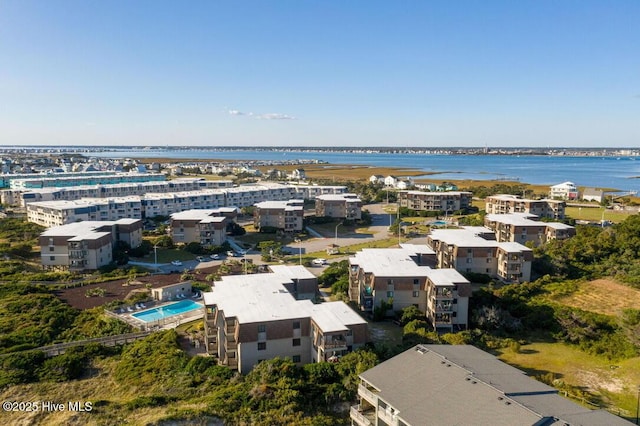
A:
[619,173]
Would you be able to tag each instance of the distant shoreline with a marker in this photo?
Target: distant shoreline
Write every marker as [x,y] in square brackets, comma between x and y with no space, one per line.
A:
[476,151]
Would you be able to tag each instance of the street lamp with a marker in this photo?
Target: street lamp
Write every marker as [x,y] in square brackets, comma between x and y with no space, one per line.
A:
[299,241]
[155,256]
[336,239]
[638,408]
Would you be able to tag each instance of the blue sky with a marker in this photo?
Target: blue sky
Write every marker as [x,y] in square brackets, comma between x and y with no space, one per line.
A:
[356,73]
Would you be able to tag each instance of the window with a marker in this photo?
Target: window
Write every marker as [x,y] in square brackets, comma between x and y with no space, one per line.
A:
[52,248]
[262,346]
[296,342]
[262,328]
[52,258]
[296,358]
[416,281]
[416,294]
[470,260]
[296,325]
[389,294]
[455,301]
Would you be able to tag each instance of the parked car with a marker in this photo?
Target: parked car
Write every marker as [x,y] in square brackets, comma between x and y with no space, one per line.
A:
[215,256]
[230,253]
[319,262]
[176,263]
[200,258]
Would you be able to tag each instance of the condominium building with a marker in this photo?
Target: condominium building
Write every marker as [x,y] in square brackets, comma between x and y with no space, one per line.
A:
[475,249]
[252,318]
[507,203]
[341,206]
[401,277]
[564,191]
[52,213]
[205,226]
[58,213]
[447,202]
[22,197]
[86,245]
[287,216]
[463,385]
[7,178]
[522,228]
[54,181]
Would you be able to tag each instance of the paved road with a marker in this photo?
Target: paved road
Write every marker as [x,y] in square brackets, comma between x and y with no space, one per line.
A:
[377,231]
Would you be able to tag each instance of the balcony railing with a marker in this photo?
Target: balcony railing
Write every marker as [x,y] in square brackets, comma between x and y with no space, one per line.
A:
[362,418]
[367,394]
[388,416]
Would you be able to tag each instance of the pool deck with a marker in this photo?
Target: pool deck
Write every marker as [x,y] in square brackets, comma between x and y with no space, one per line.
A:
[160,324]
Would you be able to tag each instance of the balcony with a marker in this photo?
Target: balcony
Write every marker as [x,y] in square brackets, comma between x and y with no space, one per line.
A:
[389,416]
[363,417]
[333,343]
[366,393]
[444,307]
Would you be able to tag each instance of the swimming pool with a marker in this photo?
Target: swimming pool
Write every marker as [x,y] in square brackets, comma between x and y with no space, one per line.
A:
[438,223]
[167,311]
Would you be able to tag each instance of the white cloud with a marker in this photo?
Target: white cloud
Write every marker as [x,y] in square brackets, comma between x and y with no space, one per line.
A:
[267,116]
[275,116]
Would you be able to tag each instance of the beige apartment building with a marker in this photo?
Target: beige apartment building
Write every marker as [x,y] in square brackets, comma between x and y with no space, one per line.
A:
[447,202]
[523,228]
[475,249]
[341,206]
[507,203]
[86,246]
[283,215]
[252,318]
[463,385]
[206,227]
[402,277]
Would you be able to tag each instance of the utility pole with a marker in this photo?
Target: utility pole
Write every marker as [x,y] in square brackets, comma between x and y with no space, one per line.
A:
[299,241]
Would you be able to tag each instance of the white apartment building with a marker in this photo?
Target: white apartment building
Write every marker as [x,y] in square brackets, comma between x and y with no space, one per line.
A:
[564,191]
[86,245]
[58,213]
[252,318]
[22,197]
[54,181]
[54,213]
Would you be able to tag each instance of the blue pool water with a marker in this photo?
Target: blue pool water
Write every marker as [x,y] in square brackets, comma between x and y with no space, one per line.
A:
[167,311]
[438,223]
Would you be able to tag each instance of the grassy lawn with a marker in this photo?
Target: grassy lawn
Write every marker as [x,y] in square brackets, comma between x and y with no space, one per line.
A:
[167,255]
[614,383]
[385,333]
[595,214]
[386,243]
[603,296]
[329,229]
